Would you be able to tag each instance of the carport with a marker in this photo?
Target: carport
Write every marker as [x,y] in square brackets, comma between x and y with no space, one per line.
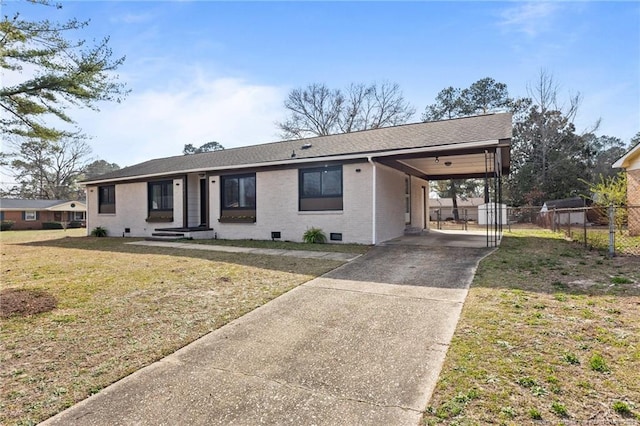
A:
[488,160]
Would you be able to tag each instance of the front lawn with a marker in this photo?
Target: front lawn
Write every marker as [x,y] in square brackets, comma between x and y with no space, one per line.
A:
[287,245]
[549,332]
[117,308]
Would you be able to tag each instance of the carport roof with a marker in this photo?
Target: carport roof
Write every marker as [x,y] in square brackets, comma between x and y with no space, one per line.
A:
[409,142]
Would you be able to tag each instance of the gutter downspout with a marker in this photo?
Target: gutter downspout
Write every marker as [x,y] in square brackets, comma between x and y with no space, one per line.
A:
[373,210]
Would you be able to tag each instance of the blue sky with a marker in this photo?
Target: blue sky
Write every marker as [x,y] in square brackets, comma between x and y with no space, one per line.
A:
[201,71]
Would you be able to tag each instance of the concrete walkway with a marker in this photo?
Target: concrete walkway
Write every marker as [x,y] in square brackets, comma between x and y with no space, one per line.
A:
[363,344]
[305,254]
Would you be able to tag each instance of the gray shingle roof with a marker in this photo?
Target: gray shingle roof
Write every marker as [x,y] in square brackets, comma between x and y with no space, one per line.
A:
[15,204]
[437,133]
[565,203]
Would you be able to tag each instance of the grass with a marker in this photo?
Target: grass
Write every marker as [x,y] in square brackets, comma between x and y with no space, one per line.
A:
[287,245]
[119,308]
[549,332]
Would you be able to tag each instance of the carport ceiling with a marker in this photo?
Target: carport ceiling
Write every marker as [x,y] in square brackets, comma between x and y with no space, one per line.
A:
[445,166]
[448,164]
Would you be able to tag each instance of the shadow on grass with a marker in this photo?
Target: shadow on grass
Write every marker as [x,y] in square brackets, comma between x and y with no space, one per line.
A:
[118,245]
[528,263]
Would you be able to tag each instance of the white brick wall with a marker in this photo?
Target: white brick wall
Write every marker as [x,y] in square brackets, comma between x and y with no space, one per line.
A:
[277,208]
[193,200]
[418,202]
[390,203]
[131,210]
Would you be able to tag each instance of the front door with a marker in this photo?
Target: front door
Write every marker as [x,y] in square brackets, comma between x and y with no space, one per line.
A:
[407,200]
[203,202]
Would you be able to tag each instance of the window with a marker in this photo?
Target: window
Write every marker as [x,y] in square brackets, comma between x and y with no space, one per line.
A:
[107,199]
[78,216]
[321,188]
[238,198]
[239,192]
[30,215]
[161,196]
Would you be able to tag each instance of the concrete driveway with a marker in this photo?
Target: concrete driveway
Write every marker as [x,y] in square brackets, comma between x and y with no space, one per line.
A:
[363,344]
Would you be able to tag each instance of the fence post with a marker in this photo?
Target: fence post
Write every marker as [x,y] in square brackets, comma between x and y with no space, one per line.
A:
[584,226]
[612,230]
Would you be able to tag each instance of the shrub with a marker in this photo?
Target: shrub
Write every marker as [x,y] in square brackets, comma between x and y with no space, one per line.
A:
[314,236]
[98,231]
[559,409]
[52,225]
[535,414]
[621,408]
[5,225]
[597,363]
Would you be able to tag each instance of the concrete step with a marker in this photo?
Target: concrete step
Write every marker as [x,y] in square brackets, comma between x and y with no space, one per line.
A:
[168,234]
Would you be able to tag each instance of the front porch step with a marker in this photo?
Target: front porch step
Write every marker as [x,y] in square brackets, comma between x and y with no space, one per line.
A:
[166,236]
[195,233]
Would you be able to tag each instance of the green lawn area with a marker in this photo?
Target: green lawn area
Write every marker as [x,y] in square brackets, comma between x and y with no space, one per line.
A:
[118,308]
[549,332]
[287,245]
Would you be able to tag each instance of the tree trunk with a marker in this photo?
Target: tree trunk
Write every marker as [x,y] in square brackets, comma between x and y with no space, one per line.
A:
[454,199]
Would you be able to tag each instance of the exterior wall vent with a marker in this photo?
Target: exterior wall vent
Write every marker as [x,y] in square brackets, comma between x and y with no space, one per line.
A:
[335,236]
[306,146]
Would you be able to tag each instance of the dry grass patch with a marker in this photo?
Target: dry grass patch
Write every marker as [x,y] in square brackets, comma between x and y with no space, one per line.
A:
[548,332]
[287,245]
[119,308]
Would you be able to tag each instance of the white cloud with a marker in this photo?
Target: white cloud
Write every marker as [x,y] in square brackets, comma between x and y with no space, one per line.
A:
[159,122]
[531,18]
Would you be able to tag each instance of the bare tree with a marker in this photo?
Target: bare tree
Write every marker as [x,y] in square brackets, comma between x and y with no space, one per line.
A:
[48,169]
[317,110]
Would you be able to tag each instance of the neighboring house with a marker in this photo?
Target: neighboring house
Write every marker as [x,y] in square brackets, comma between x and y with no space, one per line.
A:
[361,187]
[631,163]
[564,215]
[31,214]
[467,208]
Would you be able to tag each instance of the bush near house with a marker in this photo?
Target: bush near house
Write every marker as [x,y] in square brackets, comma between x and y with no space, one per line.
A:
[5,225]
[314,236]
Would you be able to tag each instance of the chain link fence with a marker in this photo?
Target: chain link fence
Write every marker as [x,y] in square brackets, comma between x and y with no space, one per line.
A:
[615,229]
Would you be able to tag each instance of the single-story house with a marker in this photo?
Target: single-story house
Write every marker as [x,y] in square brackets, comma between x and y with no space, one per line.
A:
[631,163]
[361,187]
[467,208]
[31,214]
[570,211]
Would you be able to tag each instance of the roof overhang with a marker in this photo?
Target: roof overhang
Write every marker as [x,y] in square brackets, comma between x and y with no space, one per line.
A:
[626,160]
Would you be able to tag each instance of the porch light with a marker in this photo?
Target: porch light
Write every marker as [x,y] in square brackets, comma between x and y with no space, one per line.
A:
[437,160]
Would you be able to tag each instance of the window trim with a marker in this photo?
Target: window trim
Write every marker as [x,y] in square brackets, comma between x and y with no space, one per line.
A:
[223,181]
[28,213]
[102,204]
[168,185]
[329,202]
